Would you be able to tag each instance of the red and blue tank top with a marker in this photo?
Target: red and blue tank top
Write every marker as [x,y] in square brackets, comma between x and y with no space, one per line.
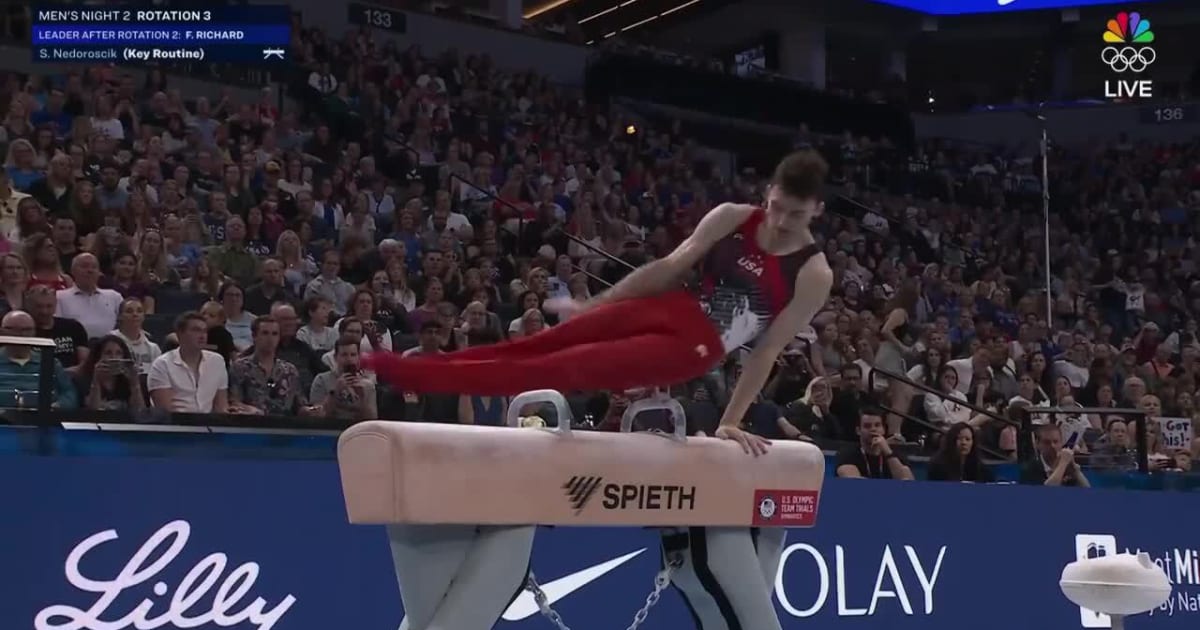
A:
[743,288]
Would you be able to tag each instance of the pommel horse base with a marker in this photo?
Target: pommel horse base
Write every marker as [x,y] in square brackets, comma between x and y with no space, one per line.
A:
[477,493]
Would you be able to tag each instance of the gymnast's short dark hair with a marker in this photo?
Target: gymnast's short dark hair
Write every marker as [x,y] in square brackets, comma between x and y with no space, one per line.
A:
[801,174]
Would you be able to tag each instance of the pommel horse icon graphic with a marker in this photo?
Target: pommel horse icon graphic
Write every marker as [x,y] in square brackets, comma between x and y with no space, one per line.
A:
[461,505]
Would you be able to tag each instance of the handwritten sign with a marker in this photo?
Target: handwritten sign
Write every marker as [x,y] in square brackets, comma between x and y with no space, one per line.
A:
[1176,433]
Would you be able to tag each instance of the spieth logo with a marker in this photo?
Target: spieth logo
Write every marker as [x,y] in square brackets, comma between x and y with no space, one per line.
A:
[1182,567]
[580,489]
[184,609]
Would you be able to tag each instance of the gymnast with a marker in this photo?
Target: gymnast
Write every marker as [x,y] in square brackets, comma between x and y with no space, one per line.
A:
[762,280]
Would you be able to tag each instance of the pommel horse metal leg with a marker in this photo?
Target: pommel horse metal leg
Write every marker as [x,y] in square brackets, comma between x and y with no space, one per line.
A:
[455,576]
[724,574]
[447,494]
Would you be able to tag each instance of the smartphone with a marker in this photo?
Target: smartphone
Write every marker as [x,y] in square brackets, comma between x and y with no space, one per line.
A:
[1070,443]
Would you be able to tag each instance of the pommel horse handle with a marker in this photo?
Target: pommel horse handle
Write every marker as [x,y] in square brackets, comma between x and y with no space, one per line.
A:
[654,403]
[541,396]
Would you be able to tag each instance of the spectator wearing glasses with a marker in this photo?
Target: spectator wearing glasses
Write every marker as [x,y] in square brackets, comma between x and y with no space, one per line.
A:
[20,368]
[190,379]
[110,377]
[261,382]
[237,319]
[345,393]
[292,349]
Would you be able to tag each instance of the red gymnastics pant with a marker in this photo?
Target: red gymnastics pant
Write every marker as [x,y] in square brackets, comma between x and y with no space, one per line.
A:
[655,341]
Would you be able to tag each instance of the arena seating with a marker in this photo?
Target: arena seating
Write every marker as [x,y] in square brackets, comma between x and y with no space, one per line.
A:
[424,188]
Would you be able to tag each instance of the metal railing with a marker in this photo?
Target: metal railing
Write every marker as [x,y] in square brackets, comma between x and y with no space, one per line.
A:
[521,224]
[45,377]
[1141,443]
[927,390]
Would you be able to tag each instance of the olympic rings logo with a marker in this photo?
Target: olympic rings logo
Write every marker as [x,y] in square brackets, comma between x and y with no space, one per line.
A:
[1128,58]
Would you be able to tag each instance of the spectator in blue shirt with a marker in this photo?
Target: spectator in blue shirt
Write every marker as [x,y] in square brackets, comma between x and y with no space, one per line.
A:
[21,365]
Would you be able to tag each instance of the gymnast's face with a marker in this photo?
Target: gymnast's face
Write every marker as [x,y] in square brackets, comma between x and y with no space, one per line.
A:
[788,215]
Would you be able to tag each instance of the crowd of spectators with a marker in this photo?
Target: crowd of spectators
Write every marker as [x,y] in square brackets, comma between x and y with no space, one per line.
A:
[197,253]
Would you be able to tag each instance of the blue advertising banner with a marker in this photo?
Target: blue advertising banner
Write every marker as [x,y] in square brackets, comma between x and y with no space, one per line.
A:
[132,543]
[964,7]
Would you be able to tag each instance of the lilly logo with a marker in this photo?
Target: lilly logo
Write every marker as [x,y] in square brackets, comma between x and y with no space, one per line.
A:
[181,611]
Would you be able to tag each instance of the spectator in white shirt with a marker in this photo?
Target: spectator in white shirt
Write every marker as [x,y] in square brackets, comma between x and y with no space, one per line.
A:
[105,121]
[966,368]
[189,379]
[559,285]
[86,303]
[443,218]
[129,330]
[1075,367]
[946,410]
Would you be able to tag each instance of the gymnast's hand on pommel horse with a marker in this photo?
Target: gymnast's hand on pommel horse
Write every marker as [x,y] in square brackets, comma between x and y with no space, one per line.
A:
[760,270]
[763,280]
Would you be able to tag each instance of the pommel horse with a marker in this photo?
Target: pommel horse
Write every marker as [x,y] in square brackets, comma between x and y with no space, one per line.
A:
[461,504]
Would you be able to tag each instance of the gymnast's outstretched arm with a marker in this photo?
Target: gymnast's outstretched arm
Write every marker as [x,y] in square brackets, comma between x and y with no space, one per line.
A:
[812,290]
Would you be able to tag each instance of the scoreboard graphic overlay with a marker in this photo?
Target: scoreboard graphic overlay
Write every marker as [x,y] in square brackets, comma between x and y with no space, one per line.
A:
[259,35]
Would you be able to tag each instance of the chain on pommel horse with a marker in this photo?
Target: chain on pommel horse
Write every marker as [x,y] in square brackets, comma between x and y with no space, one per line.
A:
[461,505]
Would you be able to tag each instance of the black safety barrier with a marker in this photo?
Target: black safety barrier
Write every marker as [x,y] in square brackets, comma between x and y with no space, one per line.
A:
[936,429]
[1029,427]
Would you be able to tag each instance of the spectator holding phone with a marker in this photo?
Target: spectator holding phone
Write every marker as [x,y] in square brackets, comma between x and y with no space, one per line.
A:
[109,377]
[345,393]
[1055,463]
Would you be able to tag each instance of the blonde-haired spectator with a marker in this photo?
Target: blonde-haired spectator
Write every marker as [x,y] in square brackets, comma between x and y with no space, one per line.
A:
[20,162]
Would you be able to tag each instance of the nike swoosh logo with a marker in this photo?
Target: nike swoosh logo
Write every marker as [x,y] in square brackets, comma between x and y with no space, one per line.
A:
[525,606]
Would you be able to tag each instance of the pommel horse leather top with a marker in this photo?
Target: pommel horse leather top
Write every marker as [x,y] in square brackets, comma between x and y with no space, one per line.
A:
[420,473]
